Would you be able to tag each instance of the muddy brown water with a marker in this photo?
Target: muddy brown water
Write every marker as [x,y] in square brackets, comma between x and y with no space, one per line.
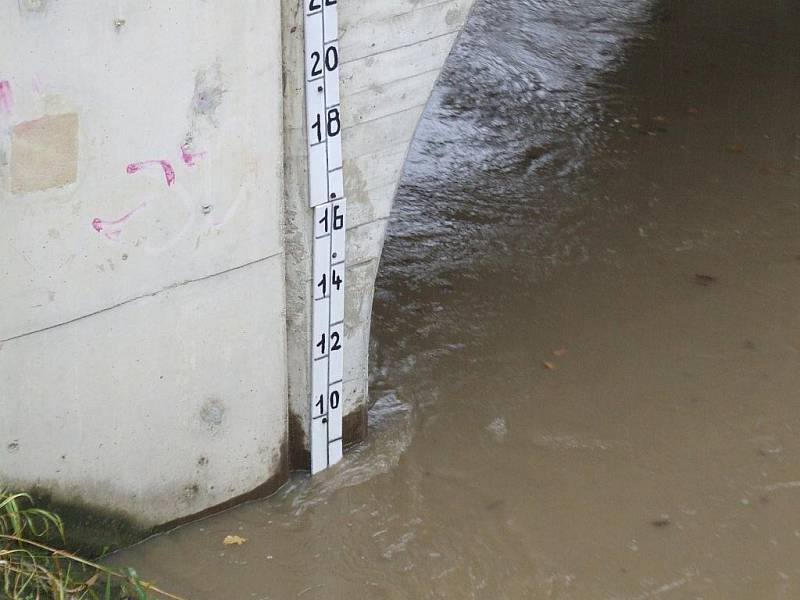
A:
[586,337]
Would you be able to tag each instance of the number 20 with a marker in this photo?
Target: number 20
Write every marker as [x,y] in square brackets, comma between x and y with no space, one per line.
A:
[331,61]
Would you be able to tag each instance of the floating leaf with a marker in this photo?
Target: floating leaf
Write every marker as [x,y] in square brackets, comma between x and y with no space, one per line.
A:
[231,540]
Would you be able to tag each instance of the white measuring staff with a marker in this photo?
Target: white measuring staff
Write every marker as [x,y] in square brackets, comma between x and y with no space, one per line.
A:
[326,197]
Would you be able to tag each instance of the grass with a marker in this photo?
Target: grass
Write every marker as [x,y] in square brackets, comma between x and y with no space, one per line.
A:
[32,568]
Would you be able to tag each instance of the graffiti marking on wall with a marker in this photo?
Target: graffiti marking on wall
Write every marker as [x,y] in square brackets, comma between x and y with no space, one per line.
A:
[189,157]
[6,100]
[169,172]
[111,229]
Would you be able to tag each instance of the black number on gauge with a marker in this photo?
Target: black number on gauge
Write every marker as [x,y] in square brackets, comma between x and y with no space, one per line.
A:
[315,69]
[321,344]
[323,283]
[335,345]
[324,220]
[334,123]
[317,125]
[321,404]
[334,399]
[336,281]
[331,61]
[338,220]
[331,58]
[314,5]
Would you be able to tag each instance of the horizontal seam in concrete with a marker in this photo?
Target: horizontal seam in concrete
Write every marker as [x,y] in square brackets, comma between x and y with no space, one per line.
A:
[361,263]
[403,14]
[391,184]
[390,83]
[409,45]
[406,142]
[357,156]
[155,293]
[392,148]
[354,227]
[399,112]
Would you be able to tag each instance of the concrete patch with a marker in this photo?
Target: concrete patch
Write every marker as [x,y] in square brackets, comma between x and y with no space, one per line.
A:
[44,153]
[212,413]
[32,5]
[208,91]
[454,17]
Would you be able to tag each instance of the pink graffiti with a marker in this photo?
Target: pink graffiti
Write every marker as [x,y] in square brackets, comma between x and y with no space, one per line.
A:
[109,228]
[188,157]
[36,85]
[5,97]
[169,172]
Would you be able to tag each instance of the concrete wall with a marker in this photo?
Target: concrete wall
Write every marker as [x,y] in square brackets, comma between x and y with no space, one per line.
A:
[142,361]
[155,291]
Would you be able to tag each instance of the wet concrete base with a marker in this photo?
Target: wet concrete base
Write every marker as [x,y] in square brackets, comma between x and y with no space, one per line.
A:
[92,531]
[354,430]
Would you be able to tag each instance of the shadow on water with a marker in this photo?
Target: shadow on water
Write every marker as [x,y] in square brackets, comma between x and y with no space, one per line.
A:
[585,331]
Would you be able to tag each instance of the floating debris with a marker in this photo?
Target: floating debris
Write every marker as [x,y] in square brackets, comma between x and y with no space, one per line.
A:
[703,279]
[661,521]
[231,540]
[498,428]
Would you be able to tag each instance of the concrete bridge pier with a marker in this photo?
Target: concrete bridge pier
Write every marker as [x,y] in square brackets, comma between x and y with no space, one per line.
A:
[155,270]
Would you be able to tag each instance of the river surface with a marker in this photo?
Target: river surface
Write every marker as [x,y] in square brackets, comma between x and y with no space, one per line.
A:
[586,336]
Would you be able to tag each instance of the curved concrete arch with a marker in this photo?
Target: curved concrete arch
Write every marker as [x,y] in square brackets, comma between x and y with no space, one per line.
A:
[392,54]
[155,292]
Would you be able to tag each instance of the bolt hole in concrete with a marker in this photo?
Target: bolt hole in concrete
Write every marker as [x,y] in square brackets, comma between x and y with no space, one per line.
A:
[611,188]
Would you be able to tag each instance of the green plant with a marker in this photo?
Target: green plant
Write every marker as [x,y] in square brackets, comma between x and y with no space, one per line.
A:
[31,568]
